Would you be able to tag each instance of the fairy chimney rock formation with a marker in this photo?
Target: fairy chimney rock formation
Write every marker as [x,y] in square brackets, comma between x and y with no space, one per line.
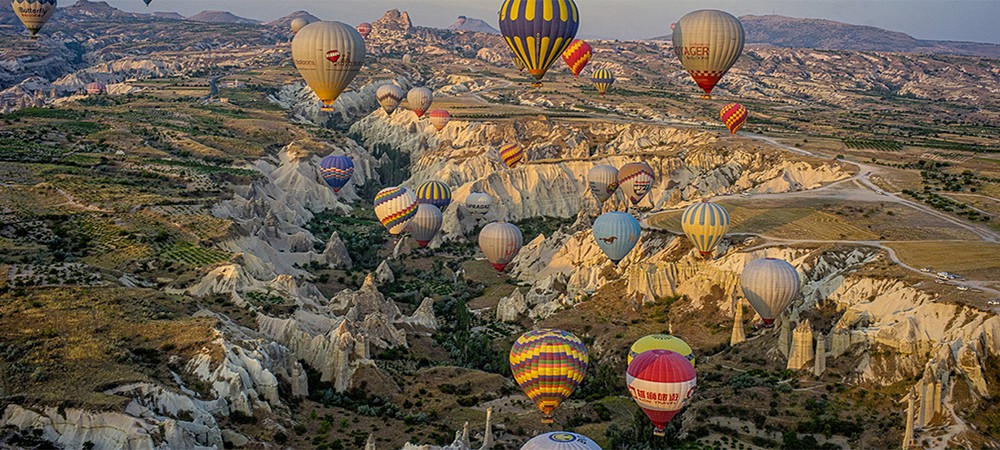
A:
[819,365]
[802,346]
[738,336]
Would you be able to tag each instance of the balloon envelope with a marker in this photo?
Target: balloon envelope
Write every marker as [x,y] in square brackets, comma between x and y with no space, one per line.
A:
[770,285]
[478,204]
[34,13]
[328,55]
[733,115]
[548,364]
[708,43]
[661,382]
[389,96]
[577,55]
[636,179]
[364,29]
[500,242]
[603,180]
[512,154]
[435,193]
[538,31]
[705,224]
[439,118]
[419,99]
[298,23]
[426,223]
[560,440]
[336,170]
[616,234]
[602,79]
[661,342]
[395,207]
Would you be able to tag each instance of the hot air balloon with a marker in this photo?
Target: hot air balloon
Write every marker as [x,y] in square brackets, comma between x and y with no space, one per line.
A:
[395,207]
[733,115]
[602,79]
[548,364]
[439,118]
[512,154]
[770,285]
[364,29]
[661,342]
[708,43]
[517,62]
[336,170]
[297,24]
[34,13]
[95,88]
[603,181]
[389,96]
[705,223]
[636,179]
[661,382]
[478,204]
[407,58]
[500,242]
[538,31]
[577,55]
[560,440]
[419,99]
[616,234]
[426,223]
[435,193]
[328,55]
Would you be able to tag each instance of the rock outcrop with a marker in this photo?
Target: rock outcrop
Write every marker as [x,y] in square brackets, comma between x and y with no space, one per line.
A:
[802,346]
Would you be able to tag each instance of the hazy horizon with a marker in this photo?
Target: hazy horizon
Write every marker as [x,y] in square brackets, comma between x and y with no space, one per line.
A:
[956,20]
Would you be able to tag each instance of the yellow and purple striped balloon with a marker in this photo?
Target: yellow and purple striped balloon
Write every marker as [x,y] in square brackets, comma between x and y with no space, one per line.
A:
[512,154]
[395,207]
[435,193]
[538,31]
[548,364]
[705,223]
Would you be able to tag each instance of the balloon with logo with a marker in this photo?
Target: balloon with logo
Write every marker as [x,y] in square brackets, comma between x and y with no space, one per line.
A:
[661,382]
[389,96]
[419,99]
[328,55]
[733,115]
[426,223]
[661,342]
[34,13]
[577,55]
[297,24]
[395,207]
[435,193]
[616,234]
[512,154]
[364,29]
[602,79]
[336,171]
[636,179]
[603,181]
[770,285]
[705,224]
[478,204]
[548,364]
[500,242]
[560,440]
[538,31]
[439,118]
[708,42]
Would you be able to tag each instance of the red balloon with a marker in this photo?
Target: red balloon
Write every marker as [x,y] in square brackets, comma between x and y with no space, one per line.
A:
[661,382]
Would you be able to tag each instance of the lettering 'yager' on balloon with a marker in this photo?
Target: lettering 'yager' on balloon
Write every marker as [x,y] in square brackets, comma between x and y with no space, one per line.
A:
[708,43]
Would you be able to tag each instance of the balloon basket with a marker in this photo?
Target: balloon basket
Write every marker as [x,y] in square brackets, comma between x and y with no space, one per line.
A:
[326,108]
[548,419]
[706,97]
[659,431]
[536,84]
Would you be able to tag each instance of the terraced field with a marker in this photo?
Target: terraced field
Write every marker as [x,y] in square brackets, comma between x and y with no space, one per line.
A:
[973,260]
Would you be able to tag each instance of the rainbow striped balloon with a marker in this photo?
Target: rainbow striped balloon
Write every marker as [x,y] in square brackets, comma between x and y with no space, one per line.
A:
[435,193]
[548,364]
[705,223]
[512,154]
[395,207]
[733,115]
[602,79]
[577,55]
[336,171]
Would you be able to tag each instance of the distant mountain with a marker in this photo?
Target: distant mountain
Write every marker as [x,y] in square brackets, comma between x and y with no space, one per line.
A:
[87,10]
[167,15]
[286,21]
[221,17]
[472,24]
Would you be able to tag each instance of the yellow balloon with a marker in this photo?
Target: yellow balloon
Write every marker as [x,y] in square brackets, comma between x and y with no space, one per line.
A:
[328,55]
[661,342]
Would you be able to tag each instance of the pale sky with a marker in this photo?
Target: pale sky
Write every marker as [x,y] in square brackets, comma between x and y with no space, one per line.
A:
[961,20]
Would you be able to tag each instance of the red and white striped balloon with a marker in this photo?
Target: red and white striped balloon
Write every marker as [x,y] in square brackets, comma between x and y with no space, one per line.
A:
[661,382]
[439,118]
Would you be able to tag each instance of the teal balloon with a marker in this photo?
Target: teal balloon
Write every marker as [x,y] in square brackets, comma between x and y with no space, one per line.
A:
[616,234]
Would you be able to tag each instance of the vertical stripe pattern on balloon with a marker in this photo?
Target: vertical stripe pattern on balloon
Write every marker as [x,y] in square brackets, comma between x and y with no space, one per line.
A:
[548,364]
[602,79]
[538,31]
[705,224]
[769,285]
[435,193]
[708,43]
